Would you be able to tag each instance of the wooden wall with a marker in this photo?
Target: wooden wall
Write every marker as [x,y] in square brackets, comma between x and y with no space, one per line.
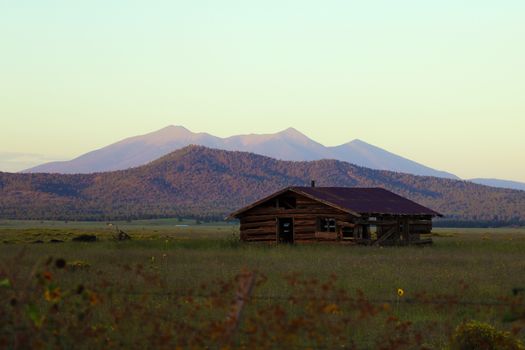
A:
[393,228]
[260,223]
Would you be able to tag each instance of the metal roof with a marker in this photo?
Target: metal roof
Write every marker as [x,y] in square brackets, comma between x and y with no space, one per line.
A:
[355,200]
[373,200]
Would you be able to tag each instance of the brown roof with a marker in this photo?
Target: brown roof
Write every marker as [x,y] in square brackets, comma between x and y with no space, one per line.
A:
[367,200]
[355,200]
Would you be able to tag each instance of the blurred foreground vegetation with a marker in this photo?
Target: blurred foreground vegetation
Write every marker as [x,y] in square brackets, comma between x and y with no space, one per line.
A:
[184,286]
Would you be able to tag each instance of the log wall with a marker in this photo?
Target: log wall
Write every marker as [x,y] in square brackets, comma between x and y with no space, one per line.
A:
[406,229]
[260,223]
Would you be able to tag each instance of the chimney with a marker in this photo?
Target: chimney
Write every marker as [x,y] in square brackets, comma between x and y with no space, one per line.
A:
[312,183]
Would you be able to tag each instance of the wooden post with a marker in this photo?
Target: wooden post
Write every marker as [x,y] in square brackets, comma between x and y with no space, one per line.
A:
[406,231]
[398,231]
[277,230]
[293,229]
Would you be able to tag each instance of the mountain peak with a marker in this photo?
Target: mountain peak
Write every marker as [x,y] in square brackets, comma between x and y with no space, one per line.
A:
[174,129]
[358,142]
[178,127]
[292,133]
[167,134]
[290,130]
[288,144]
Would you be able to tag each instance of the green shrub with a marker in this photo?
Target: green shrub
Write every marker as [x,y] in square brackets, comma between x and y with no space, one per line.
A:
[476,335]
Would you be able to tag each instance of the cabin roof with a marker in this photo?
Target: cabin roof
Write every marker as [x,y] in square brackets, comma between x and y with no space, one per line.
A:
[355,200]
[373,200]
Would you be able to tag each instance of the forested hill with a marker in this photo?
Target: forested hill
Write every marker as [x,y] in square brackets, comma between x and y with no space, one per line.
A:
[206,183]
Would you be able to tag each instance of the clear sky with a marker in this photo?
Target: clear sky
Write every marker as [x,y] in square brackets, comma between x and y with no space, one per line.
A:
[440,82]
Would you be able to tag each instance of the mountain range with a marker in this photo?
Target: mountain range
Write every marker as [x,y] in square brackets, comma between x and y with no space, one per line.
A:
[206,183]
[289,144]
[500,183]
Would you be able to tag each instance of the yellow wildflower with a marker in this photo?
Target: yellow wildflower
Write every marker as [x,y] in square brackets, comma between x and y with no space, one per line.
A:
[93,299]
[52,295]
[331,309]
[386,307]
[400,292]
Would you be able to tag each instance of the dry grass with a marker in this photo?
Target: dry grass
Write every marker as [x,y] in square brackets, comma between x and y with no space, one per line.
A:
[463,266]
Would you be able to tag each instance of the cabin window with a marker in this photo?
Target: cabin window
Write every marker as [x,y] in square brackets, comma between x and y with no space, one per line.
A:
[326,225]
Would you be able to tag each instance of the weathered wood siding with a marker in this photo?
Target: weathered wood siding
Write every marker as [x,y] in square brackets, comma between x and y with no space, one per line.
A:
[393,227]
[260,223]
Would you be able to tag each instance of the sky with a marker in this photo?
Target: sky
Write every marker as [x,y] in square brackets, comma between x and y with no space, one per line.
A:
[439,82]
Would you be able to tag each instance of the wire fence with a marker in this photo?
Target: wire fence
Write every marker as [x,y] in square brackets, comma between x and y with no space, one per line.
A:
[378,301]
[242,310]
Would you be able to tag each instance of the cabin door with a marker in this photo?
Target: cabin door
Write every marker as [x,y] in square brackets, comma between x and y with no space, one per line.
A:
[285,230]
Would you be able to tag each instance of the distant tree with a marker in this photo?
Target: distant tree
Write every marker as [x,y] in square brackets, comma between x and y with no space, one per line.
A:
[212,183]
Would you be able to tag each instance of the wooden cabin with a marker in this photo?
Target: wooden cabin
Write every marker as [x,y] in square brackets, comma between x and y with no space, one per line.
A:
[337,214]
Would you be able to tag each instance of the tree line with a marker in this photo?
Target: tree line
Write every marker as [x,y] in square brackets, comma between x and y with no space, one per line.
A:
[207,184]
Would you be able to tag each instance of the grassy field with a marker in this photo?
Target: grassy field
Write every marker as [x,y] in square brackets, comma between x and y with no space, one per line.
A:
[466,274]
